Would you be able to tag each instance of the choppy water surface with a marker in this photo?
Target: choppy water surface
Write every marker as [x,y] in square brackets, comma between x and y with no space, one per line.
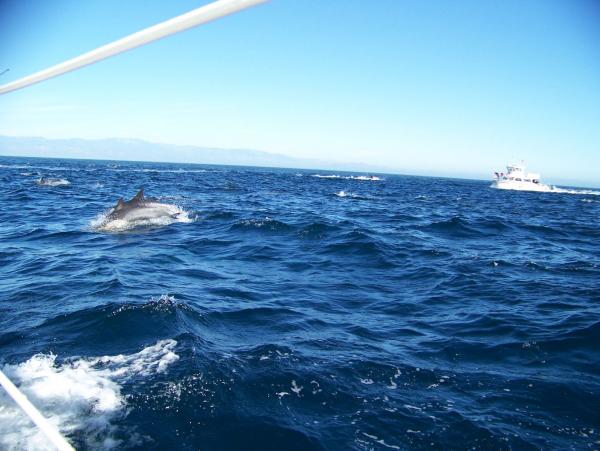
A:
[297,312]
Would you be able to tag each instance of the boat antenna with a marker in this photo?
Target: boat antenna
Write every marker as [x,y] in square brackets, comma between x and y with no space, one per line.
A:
[4,71]
[198,16]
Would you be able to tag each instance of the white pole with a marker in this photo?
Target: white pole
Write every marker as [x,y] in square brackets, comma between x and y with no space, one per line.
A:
[53,435]
[199,16]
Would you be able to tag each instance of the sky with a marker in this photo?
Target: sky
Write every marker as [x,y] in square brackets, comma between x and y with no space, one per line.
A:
[426,87]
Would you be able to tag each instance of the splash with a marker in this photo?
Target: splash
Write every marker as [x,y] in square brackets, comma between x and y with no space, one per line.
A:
[81,396]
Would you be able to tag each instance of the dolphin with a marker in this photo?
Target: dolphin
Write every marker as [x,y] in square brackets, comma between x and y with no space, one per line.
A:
[141,208]
[47,181]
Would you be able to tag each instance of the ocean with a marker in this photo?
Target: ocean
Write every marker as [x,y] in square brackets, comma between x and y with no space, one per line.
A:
[287,309]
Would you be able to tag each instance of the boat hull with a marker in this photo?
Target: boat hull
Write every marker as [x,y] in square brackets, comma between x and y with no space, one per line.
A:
[522,186]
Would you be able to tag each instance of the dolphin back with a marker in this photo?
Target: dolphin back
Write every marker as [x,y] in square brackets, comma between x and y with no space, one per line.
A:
[138,198]
[123,206]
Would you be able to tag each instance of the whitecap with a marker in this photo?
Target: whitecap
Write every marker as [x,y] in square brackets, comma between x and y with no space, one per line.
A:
[80,396]
[370,178]
[330,176]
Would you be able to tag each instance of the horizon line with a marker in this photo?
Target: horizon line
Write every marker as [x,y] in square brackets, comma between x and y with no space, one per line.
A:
[375,169]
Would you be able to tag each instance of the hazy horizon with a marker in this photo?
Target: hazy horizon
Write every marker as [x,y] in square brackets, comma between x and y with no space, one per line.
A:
[219,157]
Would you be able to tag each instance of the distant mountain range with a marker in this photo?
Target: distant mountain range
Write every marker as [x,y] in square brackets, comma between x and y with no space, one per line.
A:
[139,150]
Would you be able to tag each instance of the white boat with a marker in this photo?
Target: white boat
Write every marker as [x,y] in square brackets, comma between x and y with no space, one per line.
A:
[517,179]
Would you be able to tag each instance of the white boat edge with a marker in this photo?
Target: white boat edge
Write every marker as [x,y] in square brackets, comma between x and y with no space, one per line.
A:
[517,179]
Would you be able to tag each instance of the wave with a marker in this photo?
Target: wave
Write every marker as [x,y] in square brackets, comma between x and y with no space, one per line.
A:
[317,230]
[266,224]
[297,308]
[459,227]
[360,246]
[350,195]
[81,397]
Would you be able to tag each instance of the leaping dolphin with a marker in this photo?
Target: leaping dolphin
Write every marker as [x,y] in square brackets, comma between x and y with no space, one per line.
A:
[141,208]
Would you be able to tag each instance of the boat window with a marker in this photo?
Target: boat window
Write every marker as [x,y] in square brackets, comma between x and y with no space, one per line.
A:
[518,180]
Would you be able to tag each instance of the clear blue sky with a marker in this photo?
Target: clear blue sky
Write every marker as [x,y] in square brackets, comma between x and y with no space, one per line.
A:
[456,87]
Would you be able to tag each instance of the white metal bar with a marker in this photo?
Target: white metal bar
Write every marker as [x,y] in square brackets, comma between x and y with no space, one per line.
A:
[199,16]
[53,435]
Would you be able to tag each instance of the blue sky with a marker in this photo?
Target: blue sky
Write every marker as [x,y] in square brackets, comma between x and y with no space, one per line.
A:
[431,87]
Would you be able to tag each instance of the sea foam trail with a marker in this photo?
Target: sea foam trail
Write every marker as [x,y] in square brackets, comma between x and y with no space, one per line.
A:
[81,396]
[576,191]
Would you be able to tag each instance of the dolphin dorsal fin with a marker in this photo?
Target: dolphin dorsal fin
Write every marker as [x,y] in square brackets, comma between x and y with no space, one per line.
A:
[139,196]
[120,204]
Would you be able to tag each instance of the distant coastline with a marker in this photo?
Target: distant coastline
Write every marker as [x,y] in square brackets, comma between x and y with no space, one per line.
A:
[138,150]
[115,149]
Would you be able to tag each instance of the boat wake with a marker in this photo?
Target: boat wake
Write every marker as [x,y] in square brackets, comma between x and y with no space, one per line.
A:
[81,397]
[548,189]
[584,192]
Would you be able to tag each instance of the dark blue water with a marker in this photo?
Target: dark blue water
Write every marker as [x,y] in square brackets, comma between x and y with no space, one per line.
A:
[405,313]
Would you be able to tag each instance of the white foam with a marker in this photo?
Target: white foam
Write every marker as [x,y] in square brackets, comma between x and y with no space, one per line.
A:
[587,192]
[350,195]
[78,396]
[370,178]
[380,441]
[332,176]
[170,214]
[295,388]
[548,189]
[161,171]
